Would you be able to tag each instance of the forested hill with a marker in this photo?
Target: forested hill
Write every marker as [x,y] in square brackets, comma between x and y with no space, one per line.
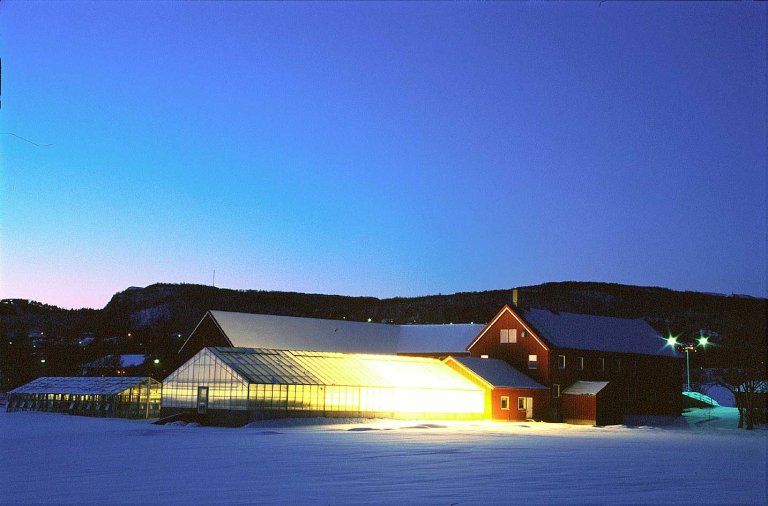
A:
[163,314]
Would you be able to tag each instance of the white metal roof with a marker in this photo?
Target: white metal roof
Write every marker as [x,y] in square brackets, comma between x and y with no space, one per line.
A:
[296,333]
[79,385]
[585,388]
[599,333]
[446,338]
[498,373]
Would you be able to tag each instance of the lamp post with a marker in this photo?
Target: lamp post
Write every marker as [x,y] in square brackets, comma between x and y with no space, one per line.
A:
[703,341]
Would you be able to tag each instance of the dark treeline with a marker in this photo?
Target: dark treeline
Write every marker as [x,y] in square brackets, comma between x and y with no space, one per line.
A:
[155,320]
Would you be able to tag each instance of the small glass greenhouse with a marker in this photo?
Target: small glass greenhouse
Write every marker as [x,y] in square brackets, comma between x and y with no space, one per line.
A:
[124,397]
[241,384]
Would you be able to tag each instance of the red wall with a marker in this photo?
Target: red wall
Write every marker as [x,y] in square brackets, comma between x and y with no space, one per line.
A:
[515,354]
[540,403]
[579,408]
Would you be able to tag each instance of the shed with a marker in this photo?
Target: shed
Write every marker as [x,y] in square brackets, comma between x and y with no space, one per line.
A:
[589,403]
[123,397]
[510,394]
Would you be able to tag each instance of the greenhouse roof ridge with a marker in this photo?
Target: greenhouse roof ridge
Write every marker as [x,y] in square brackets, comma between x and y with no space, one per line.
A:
[80,385]
[307,367]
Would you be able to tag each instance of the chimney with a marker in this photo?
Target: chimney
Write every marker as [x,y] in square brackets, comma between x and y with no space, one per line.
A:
[514,297]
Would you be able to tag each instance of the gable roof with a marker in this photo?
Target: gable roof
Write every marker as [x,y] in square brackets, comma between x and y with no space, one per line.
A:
[585,388]
[598,333]
[296,333]
[497,373]
[587,332]
[80,385]
[299,367]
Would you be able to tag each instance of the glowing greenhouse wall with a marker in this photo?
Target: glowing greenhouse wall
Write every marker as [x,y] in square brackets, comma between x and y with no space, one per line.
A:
[227,390]
[261,383]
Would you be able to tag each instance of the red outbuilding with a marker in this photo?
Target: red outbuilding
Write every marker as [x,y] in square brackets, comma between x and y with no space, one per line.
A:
[509,394]
[590,403]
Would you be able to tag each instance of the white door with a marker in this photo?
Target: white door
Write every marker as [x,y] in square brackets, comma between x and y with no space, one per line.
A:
[529,407]
[202,400]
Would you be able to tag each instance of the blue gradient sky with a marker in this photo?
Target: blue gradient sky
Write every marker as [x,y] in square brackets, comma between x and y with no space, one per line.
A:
[381,149]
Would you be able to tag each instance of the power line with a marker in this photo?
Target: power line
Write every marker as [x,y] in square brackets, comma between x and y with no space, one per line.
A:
[26,140]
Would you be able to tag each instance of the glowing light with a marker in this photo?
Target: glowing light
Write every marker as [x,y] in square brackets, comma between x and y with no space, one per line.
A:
[369,320]
[42,360]
[156,361]
[703,341]
[671,340]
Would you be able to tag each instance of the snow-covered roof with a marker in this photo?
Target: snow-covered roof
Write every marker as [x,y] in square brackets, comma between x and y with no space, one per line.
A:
[293,367]
[599,333]
[129,360]
[585,388]
[79,385]
[498,373]
[446,338]
[296,333]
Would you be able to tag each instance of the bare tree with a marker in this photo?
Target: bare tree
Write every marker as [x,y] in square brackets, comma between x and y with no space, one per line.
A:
[747,384]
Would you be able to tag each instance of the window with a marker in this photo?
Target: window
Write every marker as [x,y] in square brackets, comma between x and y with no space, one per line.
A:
[508,336]
[523,333]
[505,402]
[555,390]
[561,361]
[521,403]
[483,356]
[580,363]
[532,362]
[601,364]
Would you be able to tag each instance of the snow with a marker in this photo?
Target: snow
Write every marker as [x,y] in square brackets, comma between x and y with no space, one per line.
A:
[601,333]
[55,458]
[246,330]
[585,388]
[722,395]
[497,372]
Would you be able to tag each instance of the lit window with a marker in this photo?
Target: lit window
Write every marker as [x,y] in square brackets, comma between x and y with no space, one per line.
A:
[505,402]
[483,356]
[580,363]
[532,362]
[508,336]
[561,361]
[555,390]
[521,403]
[601,364]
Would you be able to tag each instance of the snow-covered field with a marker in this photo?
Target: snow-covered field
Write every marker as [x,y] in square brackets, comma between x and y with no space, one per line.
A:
[54,458]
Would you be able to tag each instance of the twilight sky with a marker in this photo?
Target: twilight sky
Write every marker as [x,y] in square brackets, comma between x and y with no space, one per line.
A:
[381,148]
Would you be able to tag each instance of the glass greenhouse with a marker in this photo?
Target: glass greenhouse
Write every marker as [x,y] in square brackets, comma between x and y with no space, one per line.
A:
[123,397]
[241,384]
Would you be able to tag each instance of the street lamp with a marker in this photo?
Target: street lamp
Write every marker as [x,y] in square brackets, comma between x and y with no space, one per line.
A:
[702,341]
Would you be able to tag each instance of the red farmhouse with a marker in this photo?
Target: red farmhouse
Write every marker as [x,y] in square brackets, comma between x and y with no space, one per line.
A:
[641,375]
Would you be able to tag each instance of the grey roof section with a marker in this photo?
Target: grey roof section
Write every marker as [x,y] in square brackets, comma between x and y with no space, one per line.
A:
[289,332]
[599,333]
[498,373]
[79,385]
[585,388]
[447,338]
